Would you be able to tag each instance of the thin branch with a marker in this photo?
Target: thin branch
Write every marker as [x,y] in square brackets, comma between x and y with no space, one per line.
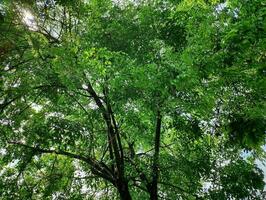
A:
[82,107]
[177,187]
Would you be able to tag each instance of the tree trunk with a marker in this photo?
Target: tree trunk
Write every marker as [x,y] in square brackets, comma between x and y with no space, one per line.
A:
[154,192]
[153,188]
[124,191]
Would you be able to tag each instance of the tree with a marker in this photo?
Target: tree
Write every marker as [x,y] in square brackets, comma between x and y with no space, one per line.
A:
[132,99]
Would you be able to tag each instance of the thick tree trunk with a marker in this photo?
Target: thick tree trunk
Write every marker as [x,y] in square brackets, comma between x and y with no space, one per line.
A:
[124,191]
[154,192]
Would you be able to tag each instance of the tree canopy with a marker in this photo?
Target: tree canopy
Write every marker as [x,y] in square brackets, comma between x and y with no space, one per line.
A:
[132,99]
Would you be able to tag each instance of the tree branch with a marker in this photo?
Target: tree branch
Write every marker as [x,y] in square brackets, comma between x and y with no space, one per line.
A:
[96,167]
[177,187]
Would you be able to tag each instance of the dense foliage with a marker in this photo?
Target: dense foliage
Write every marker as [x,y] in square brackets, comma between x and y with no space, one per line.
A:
[140,99]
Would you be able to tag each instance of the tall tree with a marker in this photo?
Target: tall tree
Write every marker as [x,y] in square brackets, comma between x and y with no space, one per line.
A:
[132,99]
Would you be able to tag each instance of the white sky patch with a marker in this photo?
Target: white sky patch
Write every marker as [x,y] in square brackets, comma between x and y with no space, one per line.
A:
[261,164]
[55,114]
[188,116]
[84,86]
[28,19]
[3,152]
[93,106]
[17,84]
[36,107]
[5,122]
[13,163]
[131,106]
[220,7]
[225,163]
[57,195]
[207,185]
[7,66]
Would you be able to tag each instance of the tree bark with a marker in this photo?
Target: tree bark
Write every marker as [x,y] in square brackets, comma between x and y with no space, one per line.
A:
[115,145]
[124,190]
[153,187]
